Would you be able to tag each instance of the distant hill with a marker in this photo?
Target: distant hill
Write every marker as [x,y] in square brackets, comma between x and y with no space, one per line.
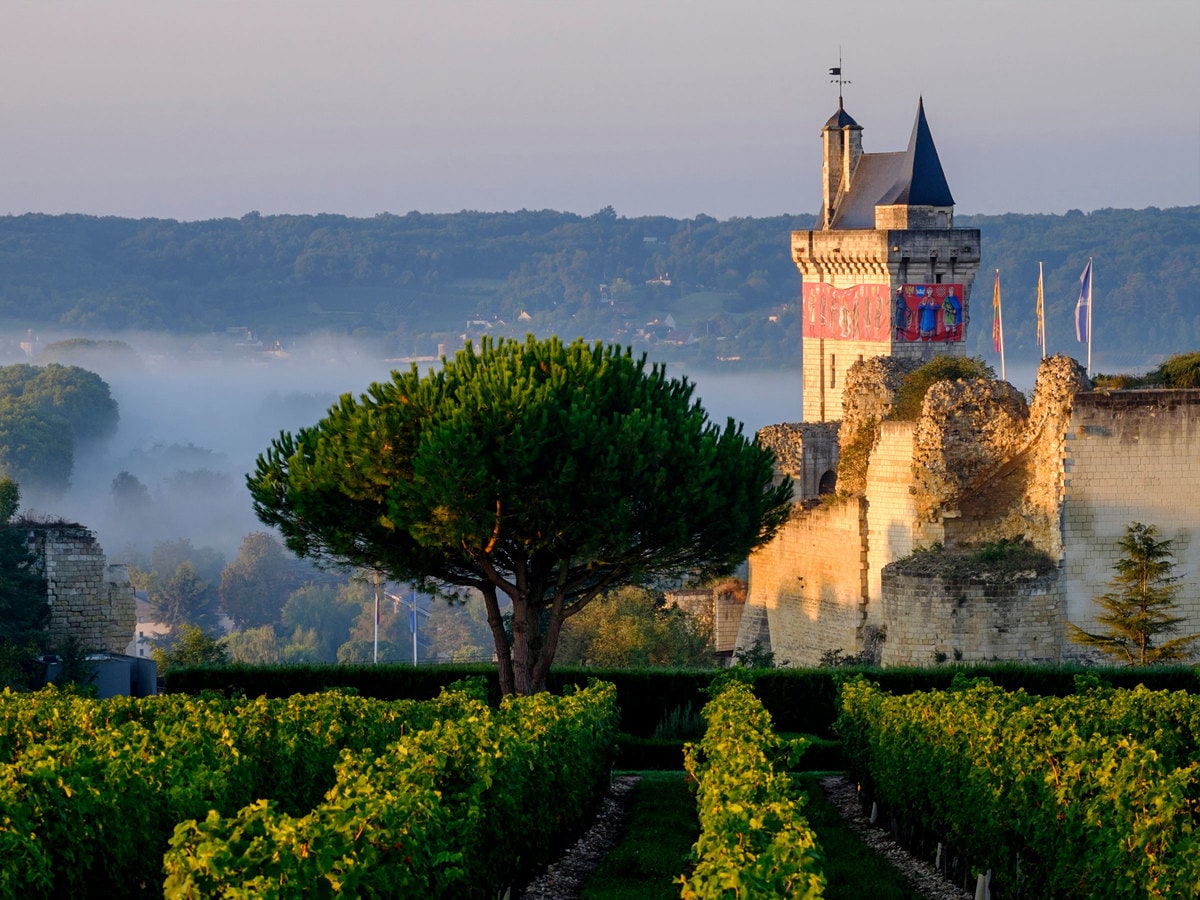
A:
[1145,285]
[699,290]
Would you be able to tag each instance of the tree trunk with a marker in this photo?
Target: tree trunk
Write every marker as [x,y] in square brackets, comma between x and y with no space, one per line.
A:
[549,646]
[522,671]
[500,639]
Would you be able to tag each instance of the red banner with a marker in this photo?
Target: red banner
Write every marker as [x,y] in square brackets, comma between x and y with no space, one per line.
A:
[865,312]
[859,313]
[928,312]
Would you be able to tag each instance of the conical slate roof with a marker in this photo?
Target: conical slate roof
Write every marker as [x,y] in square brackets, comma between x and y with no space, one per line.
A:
[841,119]
[921,181]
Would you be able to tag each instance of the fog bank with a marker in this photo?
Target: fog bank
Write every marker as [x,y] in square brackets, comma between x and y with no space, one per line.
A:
[194,416]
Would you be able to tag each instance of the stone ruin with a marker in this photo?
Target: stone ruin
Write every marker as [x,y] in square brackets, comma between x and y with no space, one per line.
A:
[89,599]
[979,465]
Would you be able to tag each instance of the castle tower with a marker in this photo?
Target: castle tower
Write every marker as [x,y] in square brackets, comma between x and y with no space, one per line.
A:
[887,273]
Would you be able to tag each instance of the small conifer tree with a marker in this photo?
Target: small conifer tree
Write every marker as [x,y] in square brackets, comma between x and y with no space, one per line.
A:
[1140,608]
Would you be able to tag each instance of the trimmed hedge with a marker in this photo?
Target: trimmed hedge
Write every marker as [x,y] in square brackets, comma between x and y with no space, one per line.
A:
[799,700]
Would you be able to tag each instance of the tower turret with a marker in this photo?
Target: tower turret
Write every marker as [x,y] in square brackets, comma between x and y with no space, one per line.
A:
[842,138]
[886,274]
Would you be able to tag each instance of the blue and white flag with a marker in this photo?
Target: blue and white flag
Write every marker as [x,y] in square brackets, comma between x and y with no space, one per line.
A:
[1083,309]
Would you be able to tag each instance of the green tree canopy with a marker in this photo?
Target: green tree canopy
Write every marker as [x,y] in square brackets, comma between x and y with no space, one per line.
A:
[1140,607]
[129,495]
[910,396]
[456,631]
[255,586]
[181,580]
[167,555]
[191,646]
[185,598]
[253,646]
[633,627]
[24,610]
[45,412]
[543,472]
[35,448]
[79,398]
[325,610]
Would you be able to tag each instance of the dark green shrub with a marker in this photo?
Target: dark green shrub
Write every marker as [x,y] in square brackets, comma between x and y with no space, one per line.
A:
[911,395]
[1179,371]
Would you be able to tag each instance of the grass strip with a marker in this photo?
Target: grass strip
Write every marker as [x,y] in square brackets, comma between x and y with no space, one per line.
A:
[659,832]
[661,828]
[852,871]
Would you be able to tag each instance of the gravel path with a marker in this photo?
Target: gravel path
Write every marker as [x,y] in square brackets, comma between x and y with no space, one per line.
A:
[563,879]
[921,875]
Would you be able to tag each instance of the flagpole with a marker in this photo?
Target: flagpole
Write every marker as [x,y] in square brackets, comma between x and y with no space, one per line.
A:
[1000,313]
[999,326]
[1041,312]
[1083,317]
[1091,294]
[412,622]
[378,593]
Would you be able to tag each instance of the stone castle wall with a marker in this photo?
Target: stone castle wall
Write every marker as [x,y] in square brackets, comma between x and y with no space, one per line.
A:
[1016,489]
[89,599]
[932,619]
[1069,474]
[824,384]
[893,528]
[805,453]
[809,584]
[1131,456]
[720,606]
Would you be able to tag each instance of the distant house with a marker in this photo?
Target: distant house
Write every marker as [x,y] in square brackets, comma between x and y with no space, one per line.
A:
[149,627]
[677,337]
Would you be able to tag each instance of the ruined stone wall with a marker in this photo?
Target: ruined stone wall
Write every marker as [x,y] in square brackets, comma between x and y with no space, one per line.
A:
[1017,490]
[871,387]
[968,432]
[894,529]
[805,453]
[932,619]
[89,599]
[808,583]
[1131,456]
[1068,472]
[719,606]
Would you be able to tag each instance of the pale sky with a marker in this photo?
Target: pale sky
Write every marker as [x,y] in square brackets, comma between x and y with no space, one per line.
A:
[196,110]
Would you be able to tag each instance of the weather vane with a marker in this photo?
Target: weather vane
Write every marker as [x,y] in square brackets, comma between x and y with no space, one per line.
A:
[839,80]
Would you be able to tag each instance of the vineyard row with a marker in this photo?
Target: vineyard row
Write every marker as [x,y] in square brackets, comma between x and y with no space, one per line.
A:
[1093,795]
[754,840]
[314,795]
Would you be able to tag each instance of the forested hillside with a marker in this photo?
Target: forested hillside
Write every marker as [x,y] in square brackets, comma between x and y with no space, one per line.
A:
[1146,292]
[698,289]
